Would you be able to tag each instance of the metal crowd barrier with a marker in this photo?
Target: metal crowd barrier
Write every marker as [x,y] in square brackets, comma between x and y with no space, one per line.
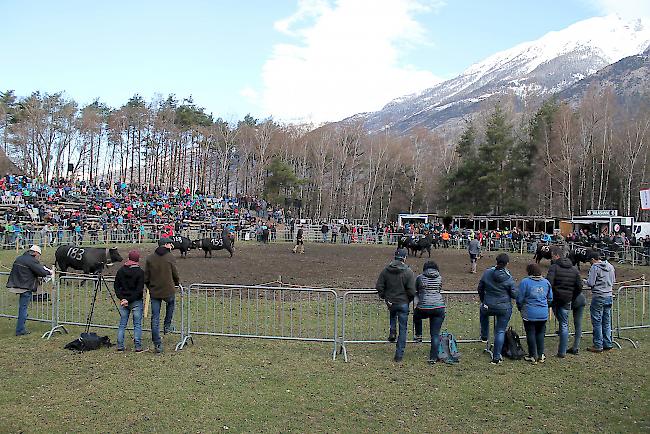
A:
[632,309]
[266,312]
[42,307]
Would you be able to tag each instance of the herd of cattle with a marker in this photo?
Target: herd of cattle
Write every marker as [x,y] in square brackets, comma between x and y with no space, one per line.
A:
[93,260]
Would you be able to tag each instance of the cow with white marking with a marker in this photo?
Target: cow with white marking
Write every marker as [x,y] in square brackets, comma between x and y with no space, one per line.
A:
[90,260]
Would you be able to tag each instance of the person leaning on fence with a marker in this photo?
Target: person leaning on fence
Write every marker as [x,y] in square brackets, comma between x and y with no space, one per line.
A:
[566,283]
[161,277]
[300,242]
[396,286]
[601,281]
[474,250]
[533,299]
[129,288]
[23,280]
[495,289]
[429,303]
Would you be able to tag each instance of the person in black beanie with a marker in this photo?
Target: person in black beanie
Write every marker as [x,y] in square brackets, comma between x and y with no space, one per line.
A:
[129,287]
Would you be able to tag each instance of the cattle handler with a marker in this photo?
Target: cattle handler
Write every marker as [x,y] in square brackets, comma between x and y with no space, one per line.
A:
[23,280]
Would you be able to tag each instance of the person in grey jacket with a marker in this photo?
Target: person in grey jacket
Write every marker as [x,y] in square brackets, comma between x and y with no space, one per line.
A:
[429,303]
[23,280]
[396,286]
[601,281]
[474,250]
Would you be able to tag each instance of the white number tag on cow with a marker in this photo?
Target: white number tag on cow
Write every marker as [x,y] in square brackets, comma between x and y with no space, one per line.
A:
[216,241]
[76,253]
[546,248]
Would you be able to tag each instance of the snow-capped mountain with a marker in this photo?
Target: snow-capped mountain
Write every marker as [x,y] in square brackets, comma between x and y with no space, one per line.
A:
[528,72]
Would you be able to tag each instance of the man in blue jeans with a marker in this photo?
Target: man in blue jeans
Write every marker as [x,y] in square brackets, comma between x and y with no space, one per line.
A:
[396,286]
[601,281]
[23,280]
[496,290]
[129,287]
[161,277]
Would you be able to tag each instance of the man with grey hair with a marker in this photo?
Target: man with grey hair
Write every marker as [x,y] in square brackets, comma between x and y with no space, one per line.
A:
[23,280]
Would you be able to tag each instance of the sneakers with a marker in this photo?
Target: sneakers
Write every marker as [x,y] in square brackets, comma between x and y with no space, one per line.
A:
[392,337]
[496,361]
[121,350]
[432,361]
[560,356]
[542,359]
[572,351]
[484,339]
[158,348]
[170,329]
[397,359]
[139,350]
[608,348]
[23,333]
[418,339]
[595,350]
[530,359]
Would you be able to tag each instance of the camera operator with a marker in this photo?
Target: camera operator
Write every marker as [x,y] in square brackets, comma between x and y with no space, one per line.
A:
[23,280]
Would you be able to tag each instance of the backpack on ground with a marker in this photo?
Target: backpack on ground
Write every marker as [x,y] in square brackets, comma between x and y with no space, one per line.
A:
[88,342]
[512,348]
[448,348]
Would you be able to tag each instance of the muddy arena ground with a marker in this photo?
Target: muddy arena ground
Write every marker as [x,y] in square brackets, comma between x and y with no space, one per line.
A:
[343,266]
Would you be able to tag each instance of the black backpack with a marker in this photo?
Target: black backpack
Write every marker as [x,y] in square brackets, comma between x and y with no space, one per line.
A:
[512,348]
[88,342]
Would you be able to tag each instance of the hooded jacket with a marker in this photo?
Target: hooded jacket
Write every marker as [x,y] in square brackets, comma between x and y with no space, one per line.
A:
[396,283]
[25,271]
[428,286]
[533,298]
[601,279]
[565,280]
[129,283]
[160,274]
[496,288]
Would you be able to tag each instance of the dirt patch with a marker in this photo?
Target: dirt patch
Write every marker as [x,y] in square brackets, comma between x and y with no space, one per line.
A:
[343,266]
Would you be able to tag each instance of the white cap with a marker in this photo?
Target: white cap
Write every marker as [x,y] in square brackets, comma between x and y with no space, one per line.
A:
[36,249]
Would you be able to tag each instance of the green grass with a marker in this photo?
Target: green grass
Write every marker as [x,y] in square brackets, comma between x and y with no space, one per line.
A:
[248,385]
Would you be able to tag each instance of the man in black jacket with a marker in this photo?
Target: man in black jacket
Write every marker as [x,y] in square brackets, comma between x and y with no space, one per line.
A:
[23,280]
[396,286]
[129,287]
[567,287]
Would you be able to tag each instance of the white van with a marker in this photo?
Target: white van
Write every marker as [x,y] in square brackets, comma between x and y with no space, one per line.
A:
[641,230]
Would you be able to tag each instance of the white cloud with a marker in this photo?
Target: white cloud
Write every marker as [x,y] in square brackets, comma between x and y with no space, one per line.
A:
[628,9]
[249,93]
[346,58]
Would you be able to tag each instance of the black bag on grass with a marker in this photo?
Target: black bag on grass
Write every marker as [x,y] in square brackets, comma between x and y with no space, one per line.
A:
[512,348]
[88,342]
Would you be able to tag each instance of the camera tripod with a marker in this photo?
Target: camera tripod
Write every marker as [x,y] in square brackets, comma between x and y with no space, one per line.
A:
[99,284]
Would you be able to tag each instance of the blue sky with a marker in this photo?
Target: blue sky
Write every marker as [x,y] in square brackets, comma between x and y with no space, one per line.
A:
[307,60]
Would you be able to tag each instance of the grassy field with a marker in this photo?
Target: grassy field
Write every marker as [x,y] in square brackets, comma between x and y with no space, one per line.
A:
[243,385]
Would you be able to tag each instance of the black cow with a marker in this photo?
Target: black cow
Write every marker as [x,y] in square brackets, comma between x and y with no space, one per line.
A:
[578,255]
[404,241]
[543,252]
[210,244]
[88,259]
[420,244]
[181,243]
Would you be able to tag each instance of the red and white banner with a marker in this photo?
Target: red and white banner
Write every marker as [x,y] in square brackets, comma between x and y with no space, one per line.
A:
[645,198]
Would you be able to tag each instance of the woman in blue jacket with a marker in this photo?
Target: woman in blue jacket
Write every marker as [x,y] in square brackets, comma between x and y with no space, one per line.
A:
[533,299]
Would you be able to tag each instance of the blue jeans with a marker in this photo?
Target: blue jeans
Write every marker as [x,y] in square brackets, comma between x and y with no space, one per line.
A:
[436,318]
[155,316]
[601,321]
[324,237]
[399,313]
[577,325]
[500,325]
[23,302]
[562,315]
[136,308]
[535,331]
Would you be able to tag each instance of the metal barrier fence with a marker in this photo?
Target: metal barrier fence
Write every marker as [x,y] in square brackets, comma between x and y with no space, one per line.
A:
[267,312]
[341,318]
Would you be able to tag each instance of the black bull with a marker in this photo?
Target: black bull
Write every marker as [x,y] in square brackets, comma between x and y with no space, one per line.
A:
[183,244]
[414,245]
[90,260]
[210,244]
[576,255]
